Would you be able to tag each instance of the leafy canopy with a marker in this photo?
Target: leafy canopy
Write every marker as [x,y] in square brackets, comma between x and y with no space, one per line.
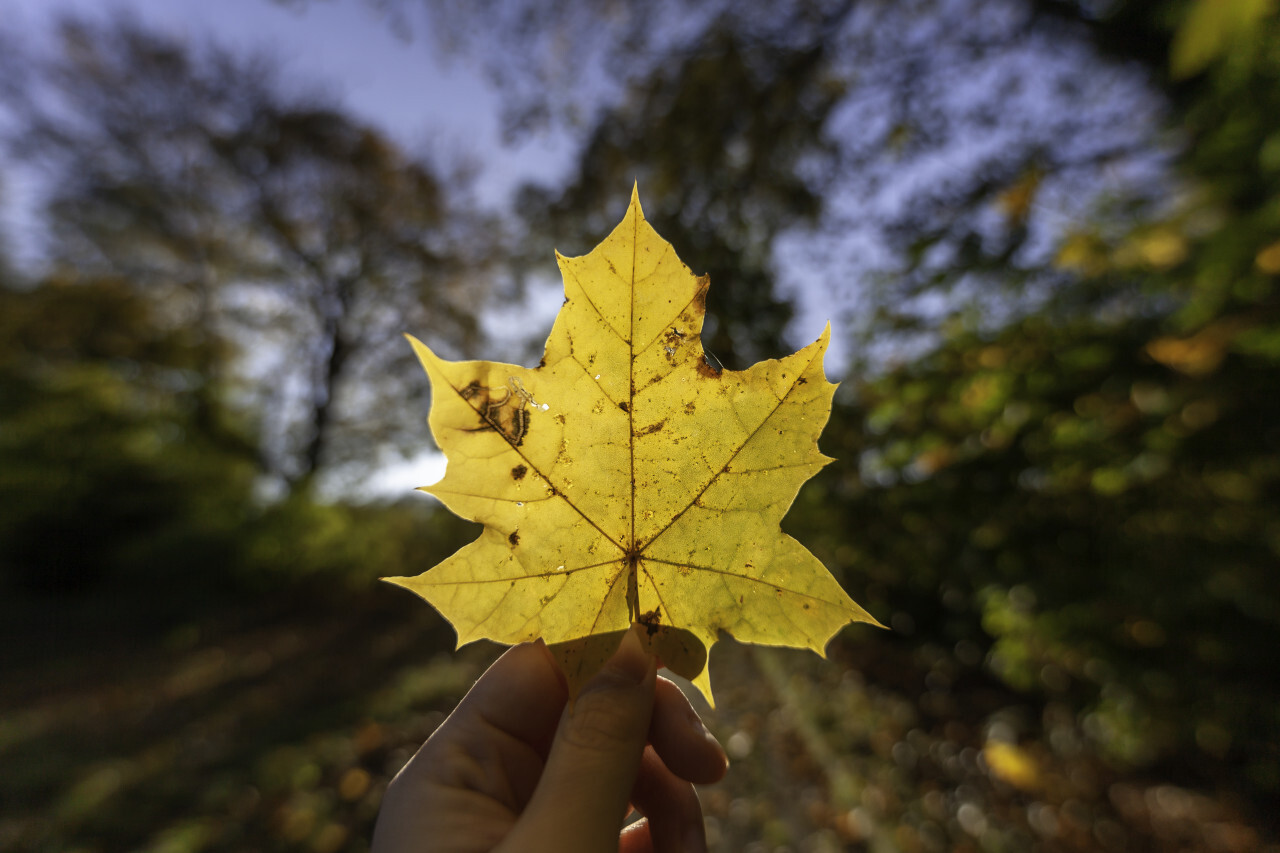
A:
[627,480]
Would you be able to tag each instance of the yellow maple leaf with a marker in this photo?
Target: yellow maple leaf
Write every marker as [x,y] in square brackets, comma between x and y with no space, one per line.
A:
[626,480]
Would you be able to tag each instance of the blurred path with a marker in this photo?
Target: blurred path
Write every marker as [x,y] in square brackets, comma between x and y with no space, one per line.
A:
[276,728]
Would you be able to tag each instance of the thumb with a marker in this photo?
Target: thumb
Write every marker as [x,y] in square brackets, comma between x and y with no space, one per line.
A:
[582,797]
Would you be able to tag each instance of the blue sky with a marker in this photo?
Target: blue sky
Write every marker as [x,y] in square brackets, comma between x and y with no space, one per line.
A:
[405,87]
[349,49]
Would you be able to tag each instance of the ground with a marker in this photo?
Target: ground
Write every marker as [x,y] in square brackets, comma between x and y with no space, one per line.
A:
[277,726]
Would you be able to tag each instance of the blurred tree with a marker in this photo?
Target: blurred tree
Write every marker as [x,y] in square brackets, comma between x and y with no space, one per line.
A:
[8,275]
[846,153]
[1078,474]
[1091,492]
[292,242]
[720,176]
[105,469]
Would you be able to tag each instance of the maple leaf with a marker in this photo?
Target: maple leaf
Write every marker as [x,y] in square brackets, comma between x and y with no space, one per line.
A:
[627,480]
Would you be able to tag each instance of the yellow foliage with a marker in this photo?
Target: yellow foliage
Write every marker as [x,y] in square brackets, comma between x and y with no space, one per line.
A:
[1162,249]
[1208,30]
[625,480]
[1268,259]
[1201,353]
[1082,254]
[1012,764]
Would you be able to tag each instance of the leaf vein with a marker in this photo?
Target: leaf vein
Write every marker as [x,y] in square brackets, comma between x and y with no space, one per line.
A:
[603,319]
[677,516]
[726,574]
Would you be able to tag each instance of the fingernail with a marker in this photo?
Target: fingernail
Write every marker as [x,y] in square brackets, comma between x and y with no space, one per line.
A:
[701,728]
[630,661]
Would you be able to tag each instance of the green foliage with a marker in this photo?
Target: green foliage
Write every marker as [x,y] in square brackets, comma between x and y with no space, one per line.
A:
[292,239]
[1089,493]
[110,470]
[105,466]
[1066,508]
[340,548]
[1105,517]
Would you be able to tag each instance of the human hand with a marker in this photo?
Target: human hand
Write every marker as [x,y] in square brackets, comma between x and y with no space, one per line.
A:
[512,769]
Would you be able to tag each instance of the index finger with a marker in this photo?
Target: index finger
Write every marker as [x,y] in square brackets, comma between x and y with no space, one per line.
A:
[522,695]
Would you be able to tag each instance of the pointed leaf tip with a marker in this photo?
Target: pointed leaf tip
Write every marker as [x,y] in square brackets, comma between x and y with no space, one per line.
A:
[635,201]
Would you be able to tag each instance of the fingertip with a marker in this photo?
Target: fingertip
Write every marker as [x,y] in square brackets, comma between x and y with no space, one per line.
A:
[682,740]
[630,664]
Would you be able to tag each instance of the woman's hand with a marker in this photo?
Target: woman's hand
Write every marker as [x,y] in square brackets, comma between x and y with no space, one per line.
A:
[512,769]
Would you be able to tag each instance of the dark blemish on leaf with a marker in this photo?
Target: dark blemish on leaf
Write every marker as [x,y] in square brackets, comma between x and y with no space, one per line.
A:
[519,426]
[542,362]
[806,606]
[705,369]
[802,381]
[507,414]
[560,419]
[514,539]
[689,408]
[700,297]
[652,428]
[626,407]
[518,472]
[674,337]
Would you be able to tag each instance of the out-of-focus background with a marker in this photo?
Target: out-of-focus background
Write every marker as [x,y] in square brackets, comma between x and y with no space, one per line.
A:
[1047,234]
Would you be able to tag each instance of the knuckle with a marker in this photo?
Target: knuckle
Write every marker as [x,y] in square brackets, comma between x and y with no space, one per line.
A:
[600,724]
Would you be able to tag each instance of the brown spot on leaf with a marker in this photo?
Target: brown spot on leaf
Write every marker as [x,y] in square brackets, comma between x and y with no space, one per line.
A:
[514,539]
[652,428]
[518,472]
[689,408]
[705,369]
[626,407]
[505,411]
